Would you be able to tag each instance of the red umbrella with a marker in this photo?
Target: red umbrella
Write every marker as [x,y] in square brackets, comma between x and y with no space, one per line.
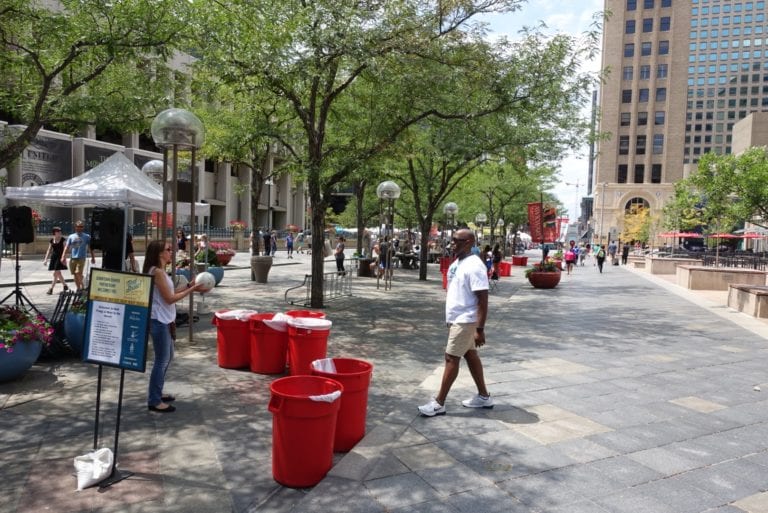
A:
[292,228]
[724,236]
[682,235]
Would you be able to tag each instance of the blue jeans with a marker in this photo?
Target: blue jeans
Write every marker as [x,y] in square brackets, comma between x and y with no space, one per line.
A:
[163,346]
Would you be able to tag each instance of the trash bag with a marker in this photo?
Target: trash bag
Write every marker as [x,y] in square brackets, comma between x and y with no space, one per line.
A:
[93,468]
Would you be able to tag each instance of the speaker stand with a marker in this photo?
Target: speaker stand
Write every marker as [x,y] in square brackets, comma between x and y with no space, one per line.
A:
[20,299]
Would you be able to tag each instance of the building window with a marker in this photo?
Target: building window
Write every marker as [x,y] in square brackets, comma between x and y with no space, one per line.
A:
[626,118]
[639,173]
[666,3]
[646,48]
[656,173]
[631,5]
[645,72]
[665,23]
[659,117]
[640,146]
[629,27]
[643,96]
[647,24]
[624,145]
[628,72]
[647,4]
[642,118]
[626,96]
[663,47]
[662,70]
[661,94]
[629,50]
[658,144]
[621,175]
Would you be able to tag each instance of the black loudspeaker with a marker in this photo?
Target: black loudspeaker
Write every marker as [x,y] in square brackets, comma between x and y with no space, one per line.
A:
[17,225]
[107,229]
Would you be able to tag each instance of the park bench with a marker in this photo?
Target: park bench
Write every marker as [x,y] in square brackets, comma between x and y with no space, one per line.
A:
[335,285]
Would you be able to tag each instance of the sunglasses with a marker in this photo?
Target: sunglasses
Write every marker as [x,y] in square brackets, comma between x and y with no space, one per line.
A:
[455,240]
[168,249]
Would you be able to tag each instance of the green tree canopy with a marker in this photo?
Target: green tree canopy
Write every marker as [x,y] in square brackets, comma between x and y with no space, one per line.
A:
[85,62]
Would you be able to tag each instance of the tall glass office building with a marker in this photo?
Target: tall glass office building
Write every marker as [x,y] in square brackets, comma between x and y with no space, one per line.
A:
[682,72]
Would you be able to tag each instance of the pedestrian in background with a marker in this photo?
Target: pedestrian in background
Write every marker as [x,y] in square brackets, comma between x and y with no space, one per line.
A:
[266,238]
[600,256]
[78,244]
[338,253]
[55,264]
[289,244]
[625,253]
[466,310]
[162,325]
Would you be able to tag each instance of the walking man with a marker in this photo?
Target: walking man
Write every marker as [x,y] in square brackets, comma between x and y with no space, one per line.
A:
[79,244]
[466,308]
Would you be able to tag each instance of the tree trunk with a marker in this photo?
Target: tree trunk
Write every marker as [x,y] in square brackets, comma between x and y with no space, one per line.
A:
[425,226]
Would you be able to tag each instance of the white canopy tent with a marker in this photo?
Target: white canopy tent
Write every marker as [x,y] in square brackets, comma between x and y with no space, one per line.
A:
[114,183]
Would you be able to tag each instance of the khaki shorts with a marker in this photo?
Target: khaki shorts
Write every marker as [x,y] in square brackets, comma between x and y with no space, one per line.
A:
[76,265]
[461,338]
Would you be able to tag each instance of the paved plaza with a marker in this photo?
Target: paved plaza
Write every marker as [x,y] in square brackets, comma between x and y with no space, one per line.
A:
[615,392]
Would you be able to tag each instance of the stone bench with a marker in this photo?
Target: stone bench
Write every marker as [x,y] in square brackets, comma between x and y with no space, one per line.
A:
[717,278]
[749,299]
[667,265]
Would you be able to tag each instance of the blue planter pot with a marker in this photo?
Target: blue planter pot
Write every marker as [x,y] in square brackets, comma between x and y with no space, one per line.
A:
[185,273]
[74,329]
[217,272]
[16,363]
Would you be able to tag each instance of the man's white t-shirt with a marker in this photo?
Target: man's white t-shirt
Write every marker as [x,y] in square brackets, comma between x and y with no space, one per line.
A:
[465,277]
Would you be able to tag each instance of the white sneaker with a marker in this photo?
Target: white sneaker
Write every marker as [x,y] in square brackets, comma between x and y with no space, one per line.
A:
[478,401]
[432,408]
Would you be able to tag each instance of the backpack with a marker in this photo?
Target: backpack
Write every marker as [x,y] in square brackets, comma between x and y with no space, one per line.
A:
[601,253]
[570,256]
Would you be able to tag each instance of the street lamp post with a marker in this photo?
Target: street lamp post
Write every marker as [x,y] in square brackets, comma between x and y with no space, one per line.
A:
[480,220]
[500,226]
[387,192]
[174,130]
[269,182]
[602,212]
[450,210]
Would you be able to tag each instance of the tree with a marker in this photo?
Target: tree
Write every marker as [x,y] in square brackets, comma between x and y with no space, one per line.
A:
[636,225]
[228,141]
[84,62]
[323,58]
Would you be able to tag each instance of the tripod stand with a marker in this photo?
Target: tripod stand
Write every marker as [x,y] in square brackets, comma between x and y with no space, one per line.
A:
[21,299]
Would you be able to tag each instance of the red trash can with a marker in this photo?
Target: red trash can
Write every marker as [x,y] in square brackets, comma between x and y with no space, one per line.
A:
[445,279]
[519,260]
[505,268]
[269,344]
[307,342]
[232,340]
[305,313]
[304,412]
[355,377]
[445,263]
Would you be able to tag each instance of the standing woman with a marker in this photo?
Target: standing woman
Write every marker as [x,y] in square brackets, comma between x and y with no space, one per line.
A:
[181,239]
[53,258]
[164,298]
[339,255]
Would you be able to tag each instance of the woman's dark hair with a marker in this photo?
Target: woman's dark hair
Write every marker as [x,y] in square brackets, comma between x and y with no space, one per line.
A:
[152,256]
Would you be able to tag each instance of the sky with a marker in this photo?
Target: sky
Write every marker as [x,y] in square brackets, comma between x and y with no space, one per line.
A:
[571,17]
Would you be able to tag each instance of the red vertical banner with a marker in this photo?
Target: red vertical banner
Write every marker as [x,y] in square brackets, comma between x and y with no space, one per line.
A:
[535,221]
[551,228]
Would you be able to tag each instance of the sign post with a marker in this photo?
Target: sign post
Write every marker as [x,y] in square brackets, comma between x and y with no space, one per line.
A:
[116,334]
